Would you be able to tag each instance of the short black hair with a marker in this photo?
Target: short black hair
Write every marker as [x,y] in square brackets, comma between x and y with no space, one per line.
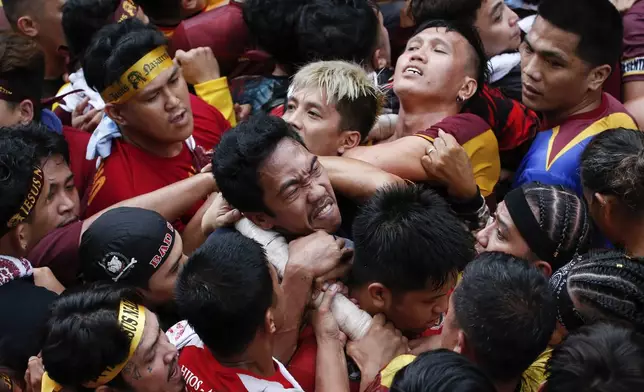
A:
[15,9]
[507,312]
[407,238]
[240,154]
[160,9]
[597,23]
[613,164]
[598,358]
[224,292]
[82,336]
[22,148]
[82,19]
[441,370]
[22,62]
[296,32]
[478,58]
[465,10]
[115,48]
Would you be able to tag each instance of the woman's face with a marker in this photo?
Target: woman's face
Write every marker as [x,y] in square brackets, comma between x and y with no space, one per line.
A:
[501,235]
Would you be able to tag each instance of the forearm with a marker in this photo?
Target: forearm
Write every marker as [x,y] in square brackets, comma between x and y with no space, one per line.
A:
[193,235]
[171,201]
[331,367]
[356,179]
[298,287]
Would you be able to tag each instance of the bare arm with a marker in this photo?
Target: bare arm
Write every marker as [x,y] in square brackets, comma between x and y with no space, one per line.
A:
[356,179]
[331,373]
[634,100]
[171,201]
[400,157]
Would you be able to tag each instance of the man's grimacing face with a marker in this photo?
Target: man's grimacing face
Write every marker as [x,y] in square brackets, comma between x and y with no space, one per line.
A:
[297,191]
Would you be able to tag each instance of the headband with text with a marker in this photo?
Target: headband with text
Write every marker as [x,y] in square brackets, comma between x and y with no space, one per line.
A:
[132,322]
[138,76]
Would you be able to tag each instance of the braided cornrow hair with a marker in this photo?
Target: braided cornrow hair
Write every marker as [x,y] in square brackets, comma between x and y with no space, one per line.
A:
[563,217]
[609,286]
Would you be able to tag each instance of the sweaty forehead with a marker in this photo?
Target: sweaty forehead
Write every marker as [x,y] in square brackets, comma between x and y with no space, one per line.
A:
[288,159]
[544,36]
[440,33]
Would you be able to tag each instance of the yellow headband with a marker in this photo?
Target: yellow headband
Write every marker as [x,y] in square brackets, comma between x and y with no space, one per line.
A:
[30,200]
[138,76]
[132,322]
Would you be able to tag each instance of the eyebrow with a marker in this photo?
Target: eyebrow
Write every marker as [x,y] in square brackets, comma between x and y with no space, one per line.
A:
[504,225]
[415,39]
[496,8]
[546,53]
[150,349]
[295,181]
[174,73]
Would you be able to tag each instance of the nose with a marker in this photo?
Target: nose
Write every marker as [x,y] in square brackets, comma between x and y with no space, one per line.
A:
[442,305]
[529,67]
[67,203]
[316,193]
[171,352]
[514,18]
[172,99]
[483,236]
[294,119]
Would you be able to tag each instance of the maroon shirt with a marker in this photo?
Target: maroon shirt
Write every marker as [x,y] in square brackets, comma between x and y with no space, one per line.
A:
[633,45]
[58,250]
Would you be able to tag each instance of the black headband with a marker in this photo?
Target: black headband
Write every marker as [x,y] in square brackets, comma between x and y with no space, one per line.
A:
[528,227]
[567,315]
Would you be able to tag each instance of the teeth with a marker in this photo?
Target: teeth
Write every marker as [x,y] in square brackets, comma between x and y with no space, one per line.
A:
[413,70]
[325,210]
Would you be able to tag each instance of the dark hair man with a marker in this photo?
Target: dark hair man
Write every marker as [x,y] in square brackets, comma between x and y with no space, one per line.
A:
[117,345]
[164,130]
[409,249]
[601,357]
[138,248]
[22,70]
[565,59]
[41,21]
[264,171]
[442,68]
[515,317]
[230,278]
[41,217]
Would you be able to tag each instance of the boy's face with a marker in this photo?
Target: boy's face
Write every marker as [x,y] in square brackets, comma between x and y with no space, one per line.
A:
[416,311]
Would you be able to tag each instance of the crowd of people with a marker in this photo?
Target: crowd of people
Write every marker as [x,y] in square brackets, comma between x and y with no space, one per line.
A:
[322,195]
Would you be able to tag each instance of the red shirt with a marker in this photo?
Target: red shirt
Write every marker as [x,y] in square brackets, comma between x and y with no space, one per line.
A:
[82,169]
[203,373]
[302,365]
[129,171]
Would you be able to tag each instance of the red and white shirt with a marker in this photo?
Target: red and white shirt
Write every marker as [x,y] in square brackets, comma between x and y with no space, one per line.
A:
[203,373]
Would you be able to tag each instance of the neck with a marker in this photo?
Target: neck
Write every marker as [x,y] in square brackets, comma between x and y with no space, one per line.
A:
[415,118]
[632,240]
[7,248]
[54,66]
[252,361]
[591,101]
[163,150]
[506,386]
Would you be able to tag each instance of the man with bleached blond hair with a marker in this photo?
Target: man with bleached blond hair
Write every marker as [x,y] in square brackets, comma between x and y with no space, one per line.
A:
[333,105]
